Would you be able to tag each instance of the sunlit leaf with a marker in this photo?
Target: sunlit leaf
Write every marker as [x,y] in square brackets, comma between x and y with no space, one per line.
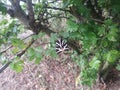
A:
[17,66]
[112,56]
[95,63]
[18,43]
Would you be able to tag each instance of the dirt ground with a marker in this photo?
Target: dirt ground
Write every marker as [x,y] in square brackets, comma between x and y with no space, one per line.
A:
[48,75]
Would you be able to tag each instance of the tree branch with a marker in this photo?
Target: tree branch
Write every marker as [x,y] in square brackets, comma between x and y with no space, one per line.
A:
[18,12]
[6,49]
[17,55]
[30,10]
[55,8]
[5,66]
[97,20]
[12,45]
[55,16]
[15,3]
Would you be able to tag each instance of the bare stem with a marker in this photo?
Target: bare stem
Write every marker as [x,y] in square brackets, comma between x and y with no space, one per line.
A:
[55,8]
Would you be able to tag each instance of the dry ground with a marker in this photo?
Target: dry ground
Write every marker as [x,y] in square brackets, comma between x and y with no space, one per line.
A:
[50,74]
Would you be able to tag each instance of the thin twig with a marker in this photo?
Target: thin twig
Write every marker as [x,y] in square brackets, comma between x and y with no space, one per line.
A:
[17,55]
[55,16]
[23,51]
[97,20]
[6,49]
[55,8]
[12,45]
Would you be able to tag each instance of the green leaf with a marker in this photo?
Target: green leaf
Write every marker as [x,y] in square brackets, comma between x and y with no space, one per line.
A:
[53,38]
[3,59]
[88,76]
[51,52]
[3,9]
[118,67]
[89,40]
[35,54]
[64,34]
[31,54]
[66,3]
[1,41]
[105,43]
[72,26]
[108,22]
[38,58]
[17,42]
[75,35]
[17,66]
[113,33]
[83,11]
[101,31]
[41,34]
[115,7]
[112,56]
[15,50]
[35,37]
[95,63]
[3,22]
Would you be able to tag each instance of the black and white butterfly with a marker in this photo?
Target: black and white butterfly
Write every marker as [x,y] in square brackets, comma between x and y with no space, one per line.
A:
[61,46]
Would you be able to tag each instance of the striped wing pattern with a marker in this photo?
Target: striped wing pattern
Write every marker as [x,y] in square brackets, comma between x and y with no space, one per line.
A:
[61,46]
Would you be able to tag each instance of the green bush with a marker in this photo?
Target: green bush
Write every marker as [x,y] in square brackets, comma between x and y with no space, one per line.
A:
[92,24]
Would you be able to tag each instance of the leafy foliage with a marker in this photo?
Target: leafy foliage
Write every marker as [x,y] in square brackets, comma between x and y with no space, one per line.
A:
[99,41]
[17,66]
[93,24]
[35,54]
[3,9]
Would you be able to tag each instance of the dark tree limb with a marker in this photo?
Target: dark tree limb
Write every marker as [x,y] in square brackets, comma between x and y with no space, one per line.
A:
[18,12]
[5,66]
[15,3]
[17,55]
[97,20]
[30,10]
[7,48]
